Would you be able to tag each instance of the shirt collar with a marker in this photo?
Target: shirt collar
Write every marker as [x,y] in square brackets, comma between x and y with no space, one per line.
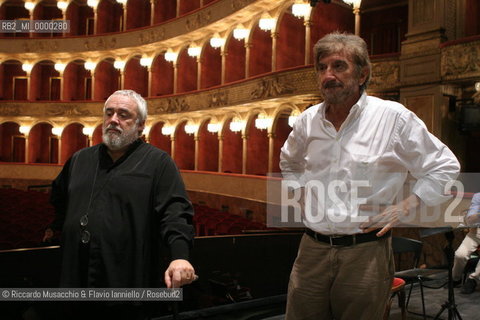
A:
[107,162]
[360,105]
[356,109]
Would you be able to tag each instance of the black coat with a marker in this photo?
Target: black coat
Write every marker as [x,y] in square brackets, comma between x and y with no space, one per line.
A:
[133,206]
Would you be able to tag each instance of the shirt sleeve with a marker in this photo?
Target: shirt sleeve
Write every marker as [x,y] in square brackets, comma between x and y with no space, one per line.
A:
[293,152]
[59,197]
[430,161]
[473,213]
[175,209]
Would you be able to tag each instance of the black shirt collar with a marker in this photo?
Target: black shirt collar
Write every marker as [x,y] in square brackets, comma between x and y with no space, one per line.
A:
[106,161]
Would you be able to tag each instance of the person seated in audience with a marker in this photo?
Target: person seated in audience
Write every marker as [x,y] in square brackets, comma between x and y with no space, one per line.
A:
[467,247]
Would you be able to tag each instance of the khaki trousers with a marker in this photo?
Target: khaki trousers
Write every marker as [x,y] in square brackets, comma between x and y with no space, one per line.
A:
[462,254]
[341,283]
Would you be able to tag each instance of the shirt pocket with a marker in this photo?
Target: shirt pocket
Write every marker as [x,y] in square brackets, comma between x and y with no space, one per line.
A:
[364,166]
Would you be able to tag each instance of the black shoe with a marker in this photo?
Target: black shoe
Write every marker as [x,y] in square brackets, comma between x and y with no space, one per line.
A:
[469,286]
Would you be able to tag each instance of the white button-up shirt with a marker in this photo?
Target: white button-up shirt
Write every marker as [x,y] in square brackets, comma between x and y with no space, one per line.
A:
[366,161]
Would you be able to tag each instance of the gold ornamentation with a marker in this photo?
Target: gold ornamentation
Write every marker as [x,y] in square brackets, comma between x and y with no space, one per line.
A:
[172,105]
[68,111]
[100,44]
[271,87]
[239,4]
[198,20]
[40,46]
[151,36]
[218,99]
[10,110]
[385,74]
[459,60]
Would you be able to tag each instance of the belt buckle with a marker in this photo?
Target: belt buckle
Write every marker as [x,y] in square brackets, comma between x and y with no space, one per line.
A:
[330,238]
[354,240]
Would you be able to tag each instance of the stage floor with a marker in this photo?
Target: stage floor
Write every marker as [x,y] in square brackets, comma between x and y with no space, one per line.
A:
[467,304]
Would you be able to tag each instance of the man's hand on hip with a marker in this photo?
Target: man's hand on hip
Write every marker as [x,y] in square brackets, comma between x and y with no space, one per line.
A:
[390,216]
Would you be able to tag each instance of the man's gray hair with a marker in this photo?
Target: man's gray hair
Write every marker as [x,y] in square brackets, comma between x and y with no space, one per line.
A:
[352,45]
[141,103]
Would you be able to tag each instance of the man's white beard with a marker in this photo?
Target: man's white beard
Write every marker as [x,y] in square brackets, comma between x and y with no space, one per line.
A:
[117,141]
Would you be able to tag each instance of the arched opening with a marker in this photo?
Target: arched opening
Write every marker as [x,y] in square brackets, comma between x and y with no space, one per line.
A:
[281,131]
[160,140]
[187,67]
[257,149]
[14,10]
[472,18]
[184,148]
[42,144]
[207,149]
[106,80]
[291,35]
[138,13]
[162,76]
[384,30]
[326,18]
[136,77]
[235,60]
[232,150]
[81,19]
[72,140]
[109,16]
[165,10]
[14,81]
[45,82]
[12,148]
[260,52]
[77,82]
[211,67]
[47,10]
[97,135]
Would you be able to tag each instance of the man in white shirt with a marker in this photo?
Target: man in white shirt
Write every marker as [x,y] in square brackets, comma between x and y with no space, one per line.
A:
[354,146]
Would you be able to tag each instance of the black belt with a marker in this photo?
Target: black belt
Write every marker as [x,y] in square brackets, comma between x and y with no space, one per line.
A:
[347,240]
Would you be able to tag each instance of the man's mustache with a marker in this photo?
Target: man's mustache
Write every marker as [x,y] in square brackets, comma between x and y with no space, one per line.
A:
[113,127]
[332,84]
